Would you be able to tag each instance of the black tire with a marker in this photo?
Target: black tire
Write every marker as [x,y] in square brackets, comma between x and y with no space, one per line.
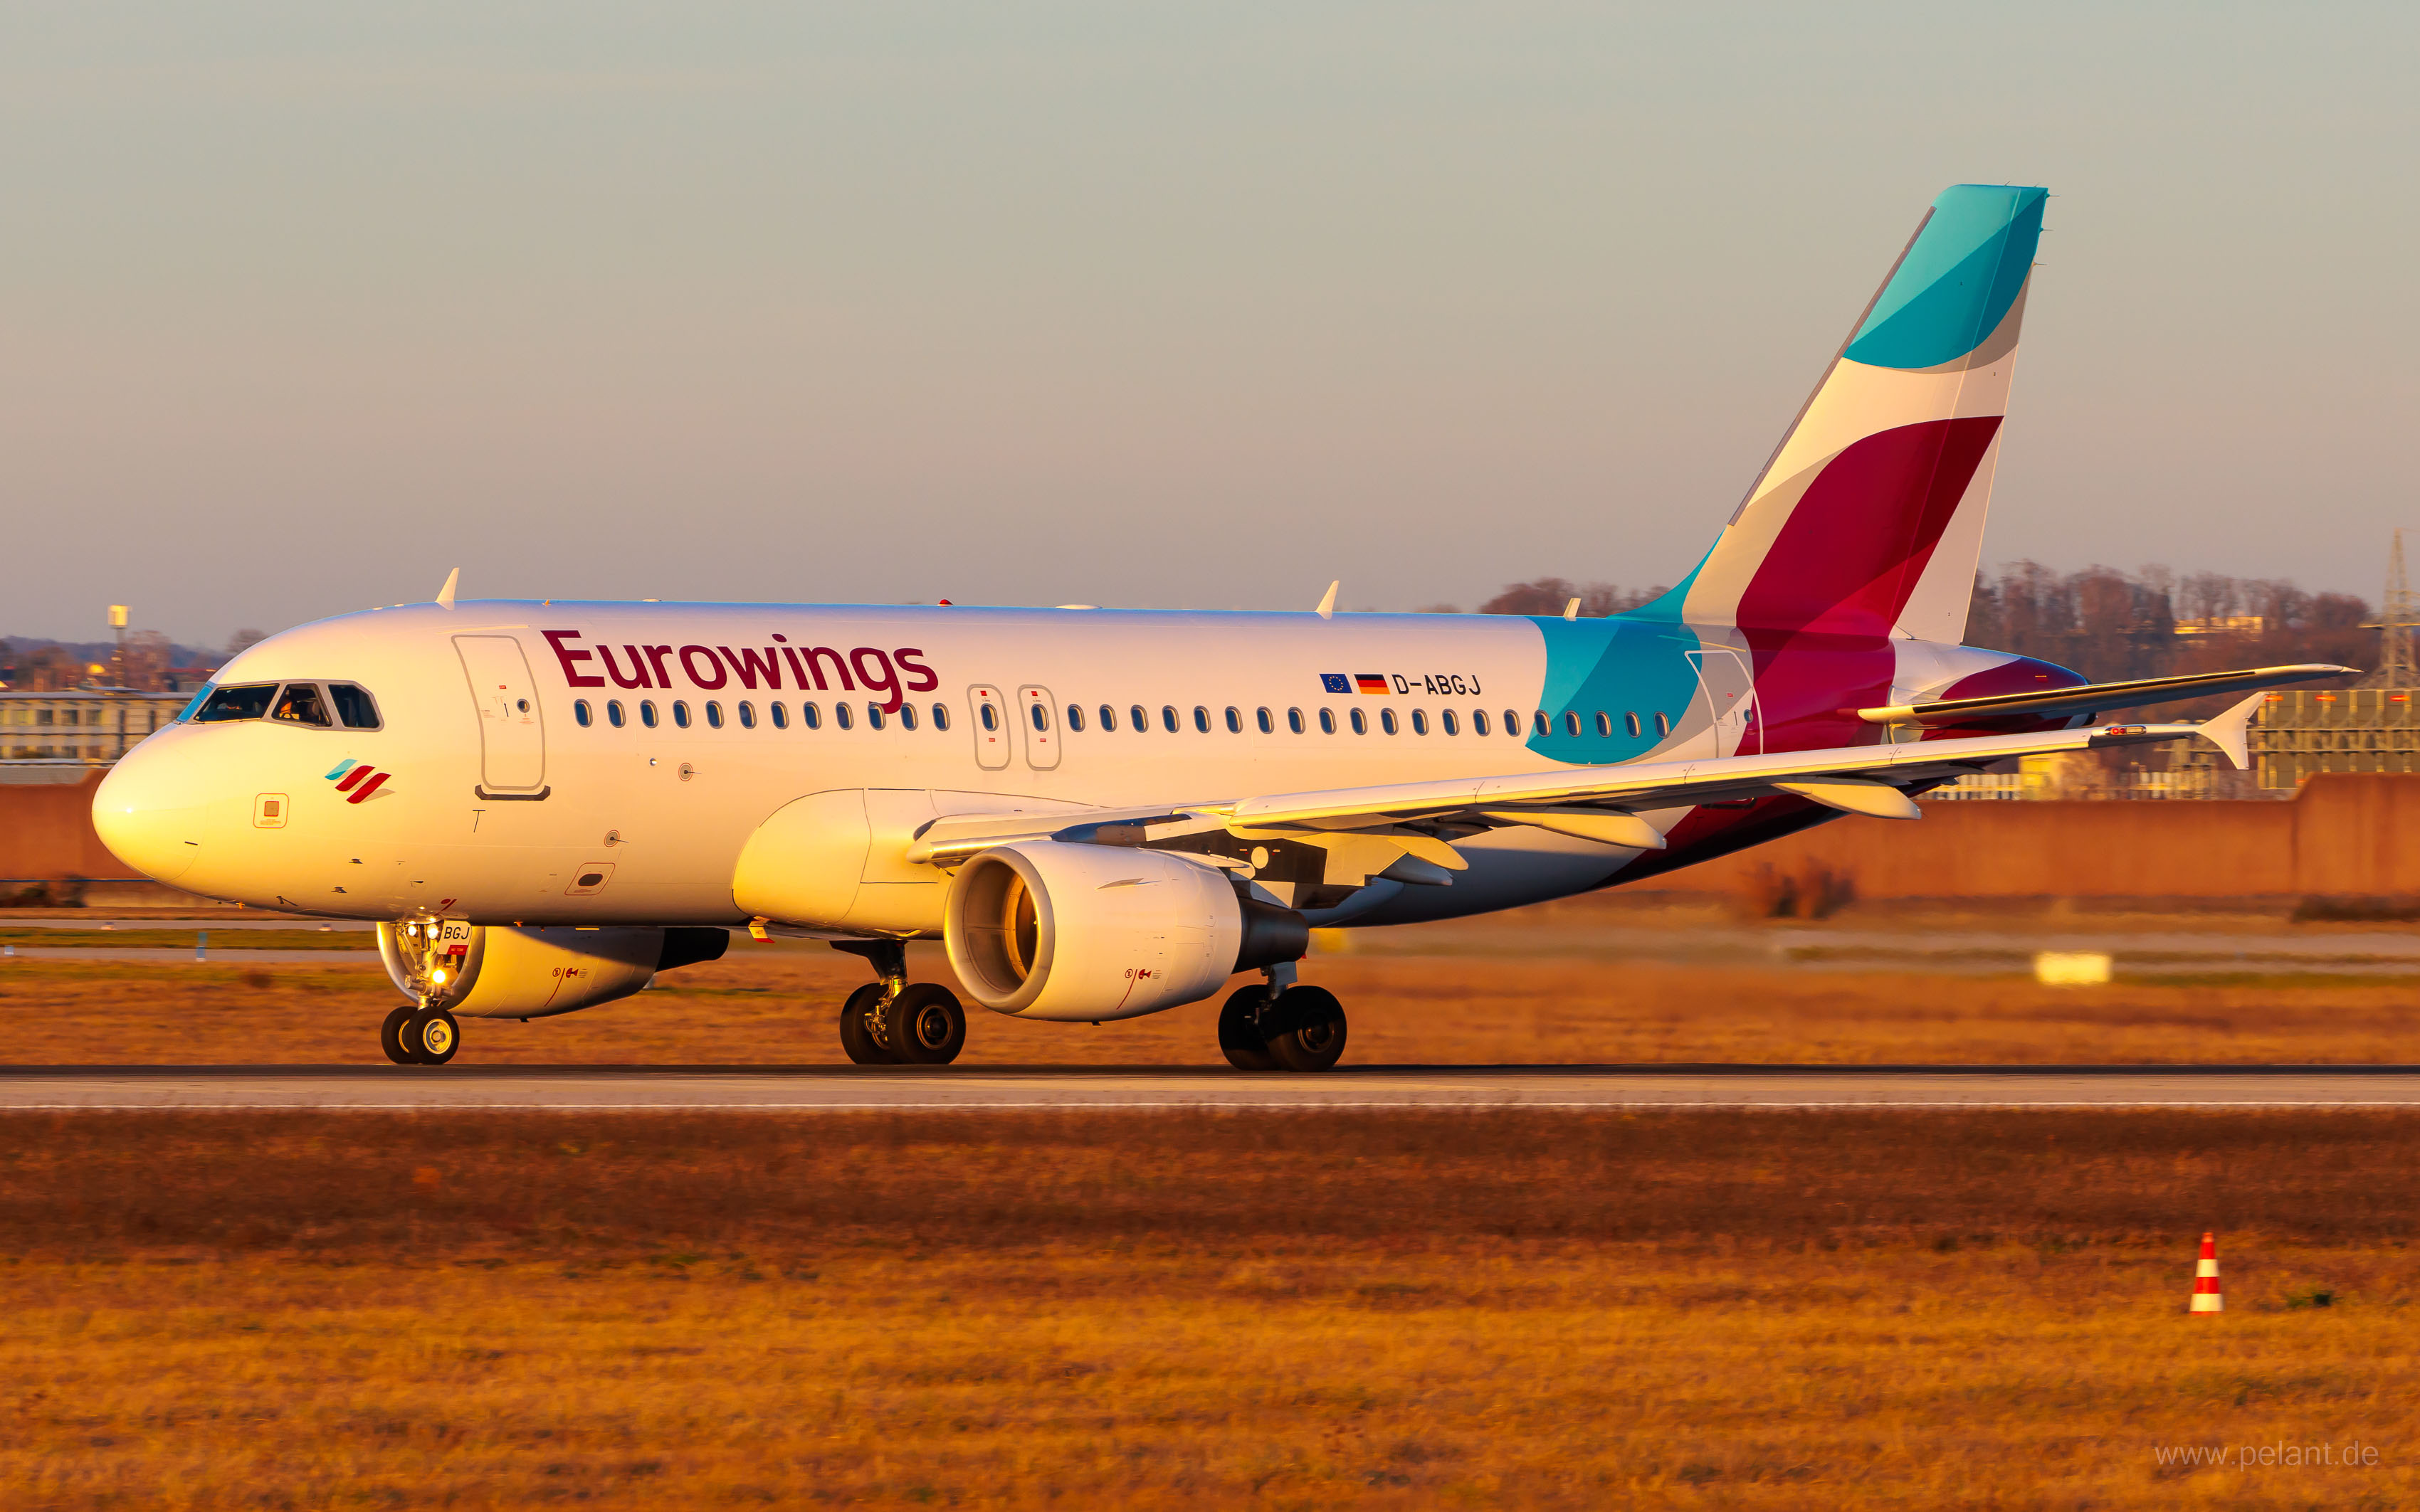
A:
[857,1032]
[391,1036]
[1239,1031]
[1311,1026]
[432,1037]
[927,1025]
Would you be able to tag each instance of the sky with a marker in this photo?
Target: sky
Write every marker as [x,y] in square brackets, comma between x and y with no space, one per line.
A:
[303,304]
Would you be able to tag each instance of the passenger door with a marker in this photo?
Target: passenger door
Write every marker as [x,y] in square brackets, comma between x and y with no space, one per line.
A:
[1038,721]
[512,728]
[987,716]
[1730,700]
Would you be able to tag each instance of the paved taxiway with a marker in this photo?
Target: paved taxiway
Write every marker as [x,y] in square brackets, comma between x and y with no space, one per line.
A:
[575,1088]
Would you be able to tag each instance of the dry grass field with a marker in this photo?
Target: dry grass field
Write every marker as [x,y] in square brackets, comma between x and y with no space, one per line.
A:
[775,1004]
[1693,1310]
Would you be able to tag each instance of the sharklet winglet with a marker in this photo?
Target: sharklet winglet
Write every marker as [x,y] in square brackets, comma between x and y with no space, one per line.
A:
[446,594]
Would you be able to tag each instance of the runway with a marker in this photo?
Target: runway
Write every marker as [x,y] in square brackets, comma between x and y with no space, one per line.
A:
[851,1090]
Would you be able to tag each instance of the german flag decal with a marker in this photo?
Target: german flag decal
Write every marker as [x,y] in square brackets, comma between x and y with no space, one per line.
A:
[1369,683]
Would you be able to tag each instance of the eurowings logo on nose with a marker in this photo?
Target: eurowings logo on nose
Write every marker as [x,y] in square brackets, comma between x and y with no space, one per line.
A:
[356,780]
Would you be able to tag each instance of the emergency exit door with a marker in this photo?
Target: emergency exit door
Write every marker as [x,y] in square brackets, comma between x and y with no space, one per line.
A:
[512,728]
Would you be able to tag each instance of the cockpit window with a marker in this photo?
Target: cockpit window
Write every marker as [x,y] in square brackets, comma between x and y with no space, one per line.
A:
[354,705]
[248,701]
[301,703]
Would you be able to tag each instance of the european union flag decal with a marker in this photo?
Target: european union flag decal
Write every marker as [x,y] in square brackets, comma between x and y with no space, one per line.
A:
[1335,682]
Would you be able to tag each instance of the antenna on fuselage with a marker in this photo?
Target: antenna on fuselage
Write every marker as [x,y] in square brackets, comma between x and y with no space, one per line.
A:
[1326,610]
[446,594]
[1572,609]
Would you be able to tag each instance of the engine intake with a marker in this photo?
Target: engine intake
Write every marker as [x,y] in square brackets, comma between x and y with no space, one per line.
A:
[1048,930]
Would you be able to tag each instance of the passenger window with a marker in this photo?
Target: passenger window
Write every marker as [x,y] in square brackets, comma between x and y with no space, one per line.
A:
[1168,716]
[613,713]
[1513,724]
[1294,720]
[1234,720]
[1268,726]
[811,715]
[907,717]
[1539,727]
[680,713]
[355,709]
[746,714]
[989,715]
[1360,725]
[713,714]
[1039,715]
[1201,719]
[1327,721]
[1630,722]
[781,715]
[1451,727]
[842,718]
[1108,717]
[1571,722]
[1141,720]
[580,715]
[1076,717]
[873,715]
[1604,723]
[941,716]
[300,703]
[1479,721]
[1419,721]
[1387,720]
[1663,725]
[229,705]
[648,713]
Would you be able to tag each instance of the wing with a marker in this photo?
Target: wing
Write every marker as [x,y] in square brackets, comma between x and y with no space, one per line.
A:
[2093,697]
[1602,803]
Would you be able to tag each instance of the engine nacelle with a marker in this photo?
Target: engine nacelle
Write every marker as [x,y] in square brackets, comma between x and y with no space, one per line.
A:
[492,971]
[1047,929]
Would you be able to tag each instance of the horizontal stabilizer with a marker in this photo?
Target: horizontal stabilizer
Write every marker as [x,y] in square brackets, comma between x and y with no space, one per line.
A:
[2090,698]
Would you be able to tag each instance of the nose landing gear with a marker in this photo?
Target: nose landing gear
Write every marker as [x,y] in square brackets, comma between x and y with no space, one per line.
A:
[894,1023]
[420,1036]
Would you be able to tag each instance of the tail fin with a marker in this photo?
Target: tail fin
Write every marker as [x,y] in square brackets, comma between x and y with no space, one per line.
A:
[1868,518]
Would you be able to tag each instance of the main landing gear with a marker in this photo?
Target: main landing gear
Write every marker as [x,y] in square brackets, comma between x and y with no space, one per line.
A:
[420,1036]
[894,1023]
[1281,1025]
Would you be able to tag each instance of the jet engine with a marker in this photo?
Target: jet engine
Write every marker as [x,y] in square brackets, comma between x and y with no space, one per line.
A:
[497,972]
[1049,930]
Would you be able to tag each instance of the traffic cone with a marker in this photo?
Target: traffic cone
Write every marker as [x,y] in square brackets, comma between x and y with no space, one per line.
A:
[2205,1298]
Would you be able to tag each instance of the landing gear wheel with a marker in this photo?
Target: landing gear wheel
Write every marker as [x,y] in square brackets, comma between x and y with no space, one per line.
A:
[1239,1031]
[432,1037]
[856,1027]
[927,1025]
[391,1036]
[1312,1033]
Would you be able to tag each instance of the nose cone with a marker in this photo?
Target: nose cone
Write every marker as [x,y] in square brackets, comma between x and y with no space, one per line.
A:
[148,812]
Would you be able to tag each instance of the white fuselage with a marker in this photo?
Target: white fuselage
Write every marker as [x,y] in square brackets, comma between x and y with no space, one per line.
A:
[492,812]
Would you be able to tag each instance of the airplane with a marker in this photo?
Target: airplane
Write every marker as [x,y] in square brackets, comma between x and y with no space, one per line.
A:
[1103,813]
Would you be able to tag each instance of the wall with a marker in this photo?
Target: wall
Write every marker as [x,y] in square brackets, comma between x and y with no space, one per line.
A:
[46,831]
[2342,834]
